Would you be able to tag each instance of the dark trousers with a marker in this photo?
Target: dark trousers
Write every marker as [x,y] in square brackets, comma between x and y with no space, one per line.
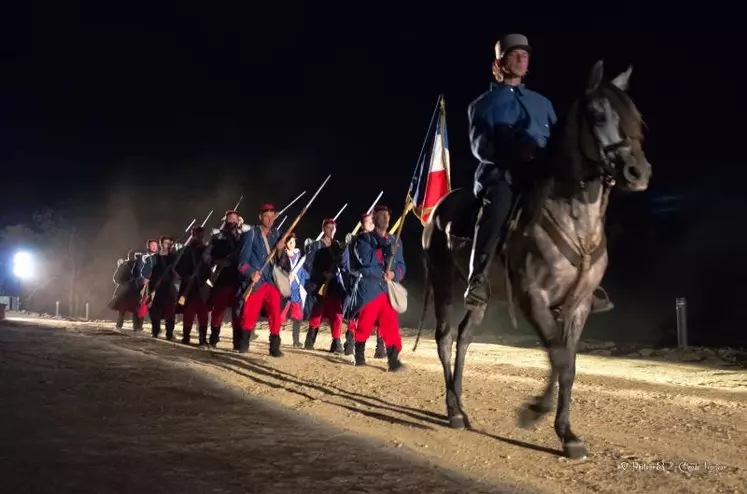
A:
[496,200]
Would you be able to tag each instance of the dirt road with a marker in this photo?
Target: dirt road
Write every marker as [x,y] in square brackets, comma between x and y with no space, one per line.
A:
[651,426]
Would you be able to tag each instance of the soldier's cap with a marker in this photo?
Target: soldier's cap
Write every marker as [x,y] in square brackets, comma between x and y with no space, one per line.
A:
[266,207]
[381,207]
[328,221]
[511,42]
[165,237]
[147,242]
[197,229]
[231,211]
[291,235]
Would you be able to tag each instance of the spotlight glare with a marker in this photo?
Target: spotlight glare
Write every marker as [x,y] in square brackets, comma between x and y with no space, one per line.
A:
[23,265]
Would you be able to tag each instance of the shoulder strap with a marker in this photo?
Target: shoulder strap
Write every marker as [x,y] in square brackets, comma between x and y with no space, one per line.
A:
[267,244]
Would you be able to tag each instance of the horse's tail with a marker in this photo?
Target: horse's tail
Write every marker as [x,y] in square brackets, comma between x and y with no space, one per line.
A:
[510,295]
[427,294]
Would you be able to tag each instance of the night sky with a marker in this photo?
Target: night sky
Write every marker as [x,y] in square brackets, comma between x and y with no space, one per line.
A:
[186,105]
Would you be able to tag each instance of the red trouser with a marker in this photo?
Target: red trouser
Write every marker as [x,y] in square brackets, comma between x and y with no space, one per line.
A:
[330,308]
[379,309]
[296,312]
[222,298]
[354,322]
[266,296]
[195,307]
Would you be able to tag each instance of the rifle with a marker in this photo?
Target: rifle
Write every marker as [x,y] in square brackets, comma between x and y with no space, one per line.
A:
[348,239]
[281,222]
[274,252]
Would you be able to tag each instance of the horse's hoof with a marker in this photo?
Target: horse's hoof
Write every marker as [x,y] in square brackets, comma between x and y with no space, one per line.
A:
[467,424]
[575,450]
[457,422]
[528,417]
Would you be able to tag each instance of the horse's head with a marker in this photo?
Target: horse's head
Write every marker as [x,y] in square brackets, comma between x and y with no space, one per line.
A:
[613,130]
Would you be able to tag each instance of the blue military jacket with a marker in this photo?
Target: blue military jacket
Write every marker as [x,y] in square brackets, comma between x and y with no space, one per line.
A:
[501,118]
[371,253]
[254,252]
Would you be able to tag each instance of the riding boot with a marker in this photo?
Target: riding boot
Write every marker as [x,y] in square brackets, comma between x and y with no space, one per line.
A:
[244,341]
[120,321]
[275,346]
[336,346]
[601,303]
[137,323]
[203,336]
[394,363]
[297,334]
[495,211]
[310,338]
[380,351]
[215,336]
[360,353]
[349,343]
[170,323]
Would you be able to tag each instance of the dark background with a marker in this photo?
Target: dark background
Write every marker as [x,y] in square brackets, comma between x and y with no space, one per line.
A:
[134,118]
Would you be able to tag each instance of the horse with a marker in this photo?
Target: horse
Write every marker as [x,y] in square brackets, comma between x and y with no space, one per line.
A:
[556,261]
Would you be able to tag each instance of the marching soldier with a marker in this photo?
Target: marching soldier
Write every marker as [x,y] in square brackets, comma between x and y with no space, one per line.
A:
[157,274]
[372,251]
[151,247]
[125,297]
[224,250]
[367,225]
[323,262]
[256,246]
[193,271]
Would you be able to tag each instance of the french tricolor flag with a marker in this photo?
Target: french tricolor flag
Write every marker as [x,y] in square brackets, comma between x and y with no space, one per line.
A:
[432,178]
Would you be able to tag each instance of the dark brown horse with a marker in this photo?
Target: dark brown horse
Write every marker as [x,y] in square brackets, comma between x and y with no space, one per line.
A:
[556,259]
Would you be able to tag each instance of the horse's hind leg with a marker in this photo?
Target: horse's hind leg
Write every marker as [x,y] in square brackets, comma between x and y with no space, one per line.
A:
[573,446]
[472,317]
[442,301]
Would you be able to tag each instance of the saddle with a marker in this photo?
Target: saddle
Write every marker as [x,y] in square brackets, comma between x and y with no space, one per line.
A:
[466,207]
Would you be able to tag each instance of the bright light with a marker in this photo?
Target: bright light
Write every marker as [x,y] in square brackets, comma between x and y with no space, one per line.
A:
[23,265]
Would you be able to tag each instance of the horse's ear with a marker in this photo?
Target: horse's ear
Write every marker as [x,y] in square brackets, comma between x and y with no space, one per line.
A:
[595,78]
[622,80]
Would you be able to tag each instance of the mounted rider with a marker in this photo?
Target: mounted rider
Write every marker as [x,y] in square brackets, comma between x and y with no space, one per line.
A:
[509,125]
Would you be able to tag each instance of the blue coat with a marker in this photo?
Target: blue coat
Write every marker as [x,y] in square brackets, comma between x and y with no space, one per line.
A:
[500,120]
[301,276]
[371,253]
[253,254]
[319,260]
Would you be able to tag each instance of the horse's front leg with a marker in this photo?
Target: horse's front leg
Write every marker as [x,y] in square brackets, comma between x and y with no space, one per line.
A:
[573,446]
[536,306]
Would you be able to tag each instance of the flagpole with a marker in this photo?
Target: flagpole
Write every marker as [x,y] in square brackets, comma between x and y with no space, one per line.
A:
[447,165]
[409,204]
